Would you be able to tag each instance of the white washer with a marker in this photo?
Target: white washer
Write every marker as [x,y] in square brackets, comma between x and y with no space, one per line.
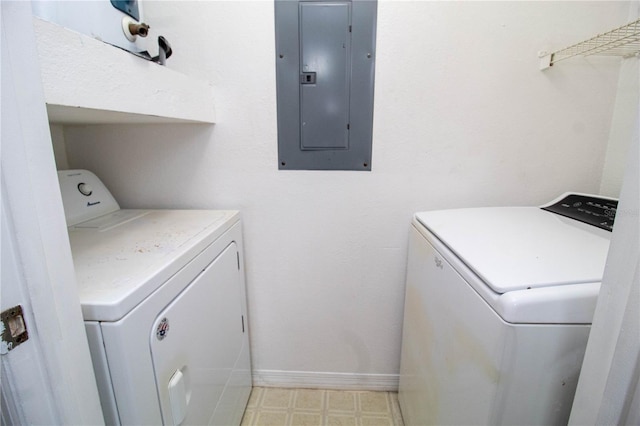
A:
[498,308]
[164,304]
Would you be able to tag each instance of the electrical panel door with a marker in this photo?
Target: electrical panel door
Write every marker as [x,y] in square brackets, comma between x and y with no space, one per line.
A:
[325,53]
[325,48]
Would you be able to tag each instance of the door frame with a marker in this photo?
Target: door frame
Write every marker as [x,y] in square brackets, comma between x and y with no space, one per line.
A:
[49,378]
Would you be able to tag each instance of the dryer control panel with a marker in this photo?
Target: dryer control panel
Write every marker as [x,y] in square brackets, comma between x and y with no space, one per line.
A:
[84,196]
[596,211]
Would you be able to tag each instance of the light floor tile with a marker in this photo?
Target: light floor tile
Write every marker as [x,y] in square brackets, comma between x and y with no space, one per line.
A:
[342,420]
[341,400]
[309,399]
[318,407]
[376,421]
[277,398]
[271,419]
[247,418]
[374,402]
[256,394]
[302,419]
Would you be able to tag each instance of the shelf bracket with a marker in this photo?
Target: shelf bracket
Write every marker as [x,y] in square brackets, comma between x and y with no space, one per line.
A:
[545,60]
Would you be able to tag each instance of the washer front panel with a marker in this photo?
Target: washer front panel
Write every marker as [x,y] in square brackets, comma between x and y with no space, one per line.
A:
[457,352]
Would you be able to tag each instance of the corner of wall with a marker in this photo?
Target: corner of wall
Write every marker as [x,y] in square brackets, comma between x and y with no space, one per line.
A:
[624,122]
[59,146]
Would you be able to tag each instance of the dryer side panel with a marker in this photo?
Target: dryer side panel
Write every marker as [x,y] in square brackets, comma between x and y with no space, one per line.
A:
[101,370]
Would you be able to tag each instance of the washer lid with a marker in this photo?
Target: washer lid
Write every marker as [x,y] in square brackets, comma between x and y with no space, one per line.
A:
[514,248]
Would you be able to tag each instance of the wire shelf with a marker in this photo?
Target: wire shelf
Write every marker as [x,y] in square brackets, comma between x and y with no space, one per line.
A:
[623,41]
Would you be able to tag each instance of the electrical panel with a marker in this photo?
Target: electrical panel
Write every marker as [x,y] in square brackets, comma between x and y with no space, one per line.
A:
[325,62]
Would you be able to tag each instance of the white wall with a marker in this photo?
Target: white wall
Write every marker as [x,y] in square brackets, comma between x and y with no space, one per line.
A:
[463,117]
[59,146]
[626,111]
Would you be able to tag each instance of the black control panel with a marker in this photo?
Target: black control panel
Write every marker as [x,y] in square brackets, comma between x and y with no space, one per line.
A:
[595,211]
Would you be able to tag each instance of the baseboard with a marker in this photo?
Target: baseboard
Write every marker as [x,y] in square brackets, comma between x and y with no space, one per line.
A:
[322,380]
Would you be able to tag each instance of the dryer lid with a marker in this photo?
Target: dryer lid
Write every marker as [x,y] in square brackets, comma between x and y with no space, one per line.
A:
[514,248]
[122,258]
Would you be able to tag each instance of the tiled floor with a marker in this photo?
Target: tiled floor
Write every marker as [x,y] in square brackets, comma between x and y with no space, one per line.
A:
[319,407]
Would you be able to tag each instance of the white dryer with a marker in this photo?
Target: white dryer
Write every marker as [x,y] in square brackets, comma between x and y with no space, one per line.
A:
[498,308]
[164,304]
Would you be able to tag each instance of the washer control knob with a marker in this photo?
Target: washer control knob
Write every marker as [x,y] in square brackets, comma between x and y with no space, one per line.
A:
[85,189]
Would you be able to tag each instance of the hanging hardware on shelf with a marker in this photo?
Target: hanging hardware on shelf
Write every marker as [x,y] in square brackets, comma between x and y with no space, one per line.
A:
[623,41]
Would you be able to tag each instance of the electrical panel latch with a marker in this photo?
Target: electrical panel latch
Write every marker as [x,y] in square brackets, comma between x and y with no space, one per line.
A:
[308,78]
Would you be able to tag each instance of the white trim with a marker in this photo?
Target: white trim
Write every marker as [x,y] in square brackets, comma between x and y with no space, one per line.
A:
[50,376]
[325,380]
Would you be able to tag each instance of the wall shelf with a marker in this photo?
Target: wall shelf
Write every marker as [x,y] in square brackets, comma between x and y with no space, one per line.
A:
[623,41]
[87,81]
